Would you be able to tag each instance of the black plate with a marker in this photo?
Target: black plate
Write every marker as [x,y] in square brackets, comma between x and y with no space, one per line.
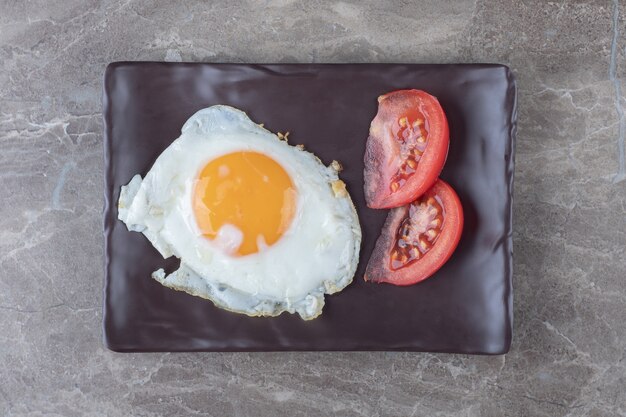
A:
[466,307]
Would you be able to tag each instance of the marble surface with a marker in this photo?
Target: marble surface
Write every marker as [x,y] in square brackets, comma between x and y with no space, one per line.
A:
[568,351]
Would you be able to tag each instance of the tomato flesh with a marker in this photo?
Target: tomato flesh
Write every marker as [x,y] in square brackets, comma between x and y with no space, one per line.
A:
[406,148]
[418,231]
[411,135]
[417,239]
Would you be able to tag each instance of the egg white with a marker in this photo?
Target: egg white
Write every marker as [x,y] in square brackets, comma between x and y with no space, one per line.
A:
[317,255]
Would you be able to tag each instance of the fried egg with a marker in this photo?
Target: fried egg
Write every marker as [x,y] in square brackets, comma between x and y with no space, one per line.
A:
[260,227]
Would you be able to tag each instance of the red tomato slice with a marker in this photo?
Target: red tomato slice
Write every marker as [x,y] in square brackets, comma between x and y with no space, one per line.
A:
[406,148]
[417,239]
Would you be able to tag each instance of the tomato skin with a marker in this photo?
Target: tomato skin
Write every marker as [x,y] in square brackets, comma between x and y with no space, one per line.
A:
[382,154]
[378,268]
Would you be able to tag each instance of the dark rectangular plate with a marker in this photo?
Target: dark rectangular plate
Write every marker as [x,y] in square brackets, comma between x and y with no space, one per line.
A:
[466,307]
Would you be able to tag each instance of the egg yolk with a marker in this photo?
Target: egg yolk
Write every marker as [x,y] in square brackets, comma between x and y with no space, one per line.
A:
[247,190]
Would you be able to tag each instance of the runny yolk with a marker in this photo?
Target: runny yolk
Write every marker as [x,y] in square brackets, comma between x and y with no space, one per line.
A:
[247,190]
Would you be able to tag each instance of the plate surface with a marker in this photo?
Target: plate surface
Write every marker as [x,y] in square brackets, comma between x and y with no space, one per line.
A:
[466,307]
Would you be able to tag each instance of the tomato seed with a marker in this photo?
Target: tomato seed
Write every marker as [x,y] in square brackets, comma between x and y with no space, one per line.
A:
[412,142]
[418,231]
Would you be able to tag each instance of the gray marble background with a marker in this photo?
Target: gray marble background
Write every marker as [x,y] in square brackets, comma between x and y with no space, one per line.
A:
[568,351]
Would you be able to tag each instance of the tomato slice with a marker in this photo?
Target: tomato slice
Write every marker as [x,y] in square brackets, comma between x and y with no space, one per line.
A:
[406,148]
[417,239]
